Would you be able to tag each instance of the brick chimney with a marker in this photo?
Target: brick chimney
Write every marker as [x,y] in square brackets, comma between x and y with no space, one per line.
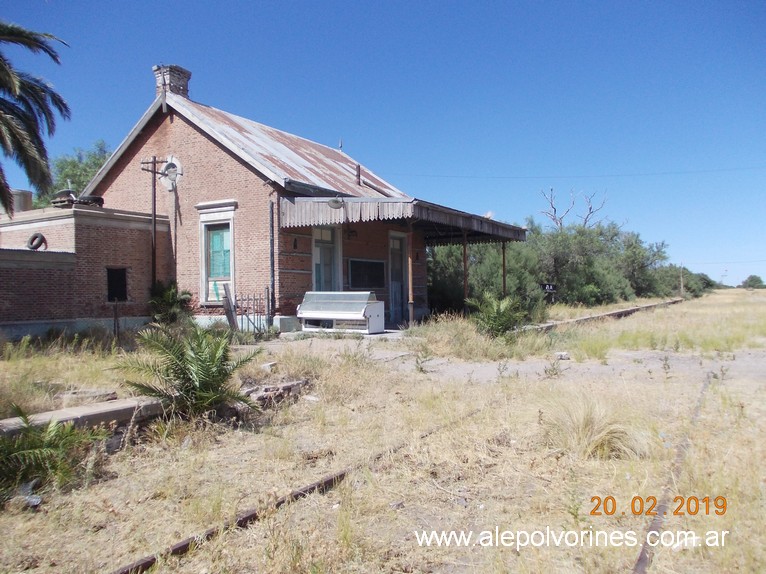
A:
[174,79]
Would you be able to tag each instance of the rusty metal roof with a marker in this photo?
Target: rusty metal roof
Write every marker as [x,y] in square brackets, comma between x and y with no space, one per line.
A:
[286,158]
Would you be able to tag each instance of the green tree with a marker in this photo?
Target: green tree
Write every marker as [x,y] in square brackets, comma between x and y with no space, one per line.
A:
[75,171]
[753,282]
[669,282]
[583,262]
[28,107]
[637,261]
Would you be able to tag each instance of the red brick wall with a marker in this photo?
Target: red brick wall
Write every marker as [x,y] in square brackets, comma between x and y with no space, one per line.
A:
[101,246]
[34,284]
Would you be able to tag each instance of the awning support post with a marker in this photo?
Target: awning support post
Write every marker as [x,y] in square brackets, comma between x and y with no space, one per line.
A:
[465,272]
[505,290]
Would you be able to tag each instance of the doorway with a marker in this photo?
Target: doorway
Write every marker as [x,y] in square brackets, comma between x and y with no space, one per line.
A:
[397,287]
[325,259]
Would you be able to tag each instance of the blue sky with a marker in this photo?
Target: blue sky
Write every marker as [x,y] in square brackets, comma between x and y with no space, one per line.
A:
[658,107]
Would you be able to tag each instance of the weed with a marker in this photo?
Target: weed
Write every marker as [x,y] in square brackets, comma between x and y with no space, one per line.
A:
[553,370]
[421,359]
[574,502]
[666,366]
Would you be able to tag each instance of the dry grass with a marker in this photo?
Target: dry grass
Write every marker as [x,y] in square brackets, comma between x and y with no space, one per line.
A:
[501,467]
[32,375]
[452,335]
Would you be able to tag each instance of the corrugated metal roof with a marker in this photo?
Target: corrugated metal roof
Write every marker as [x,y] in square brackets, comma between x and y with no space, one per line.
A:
[286,157]
[442,225]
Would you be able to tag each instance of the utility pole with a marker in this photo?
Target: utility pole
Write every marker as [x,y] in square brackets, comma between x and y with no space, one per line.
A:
[153,170]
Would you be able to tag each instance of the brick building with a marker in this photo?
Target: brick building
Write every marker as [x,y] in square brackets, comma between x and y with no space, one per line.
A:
[255,208]
[91,267]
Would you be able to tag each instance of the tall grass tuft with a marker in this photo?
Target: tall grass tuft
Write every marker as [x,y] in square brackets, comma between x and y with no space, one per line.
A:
[583,428]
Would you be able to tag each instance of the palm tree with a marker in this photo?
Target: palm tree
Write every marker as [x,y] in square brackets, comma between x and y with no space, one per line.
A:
[28,107]
[189,371]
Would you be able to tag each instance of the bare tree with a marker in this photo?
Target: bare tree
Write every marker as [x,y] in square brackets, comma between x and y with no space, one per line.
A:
[558,220]
[552,214]
[586,219]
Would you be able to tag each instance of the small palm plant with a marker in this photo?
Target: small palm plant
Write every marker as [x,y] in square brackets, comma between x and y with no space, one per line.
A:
[496,316]
[51,453]
[189,371]
[168,304]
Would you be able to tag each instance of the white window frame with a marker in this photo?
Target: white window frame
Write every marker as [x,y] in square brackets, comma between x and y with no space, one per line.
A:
[212,213]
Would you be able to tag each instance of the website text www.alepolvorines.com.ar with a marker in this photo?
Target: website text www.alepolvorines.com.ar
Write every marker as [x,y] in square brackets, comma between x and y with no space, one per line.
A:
[551,537]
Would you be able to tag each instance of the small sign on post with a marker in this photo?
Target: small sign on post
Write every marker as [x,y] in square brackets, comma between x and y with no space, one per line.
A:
[550,291]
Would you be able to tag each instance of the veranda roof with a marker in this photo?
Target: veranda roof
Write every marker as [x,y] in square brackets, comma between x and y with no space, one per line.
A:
[440,225]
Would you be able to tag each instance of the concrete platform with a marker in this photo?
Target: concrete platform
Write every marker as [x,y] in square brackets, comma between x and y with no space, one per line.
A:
[120,411]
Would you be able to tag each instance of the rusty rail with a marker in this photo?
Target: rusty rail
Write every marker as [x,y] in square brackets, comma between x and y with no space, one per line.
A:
[254,515]
[644,559]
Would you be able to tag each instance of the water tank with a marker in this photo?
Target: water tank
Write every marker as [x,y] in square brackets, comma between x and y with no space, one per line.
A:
[22,200]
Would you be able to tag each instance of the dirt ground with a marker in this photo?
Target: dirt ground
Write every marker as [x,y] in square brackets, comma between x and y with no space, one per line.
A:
[489,468]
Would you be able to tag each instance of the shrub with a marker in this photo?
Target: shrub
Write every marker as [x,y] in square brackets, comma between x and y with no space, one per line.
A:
[189,371]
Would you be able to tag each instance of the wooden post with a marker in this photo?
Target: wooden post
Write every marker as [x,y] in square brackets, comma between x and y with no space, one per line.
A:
[505,291]
[410,281]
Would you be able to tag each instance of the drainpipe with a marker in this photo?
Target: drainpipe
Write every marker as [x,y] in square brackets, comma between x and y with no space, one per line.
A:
[272,272]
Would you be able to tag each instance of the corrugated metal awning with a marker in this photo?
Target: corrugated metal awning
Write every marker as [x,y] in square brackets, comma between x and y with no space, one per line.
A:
[440,225]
